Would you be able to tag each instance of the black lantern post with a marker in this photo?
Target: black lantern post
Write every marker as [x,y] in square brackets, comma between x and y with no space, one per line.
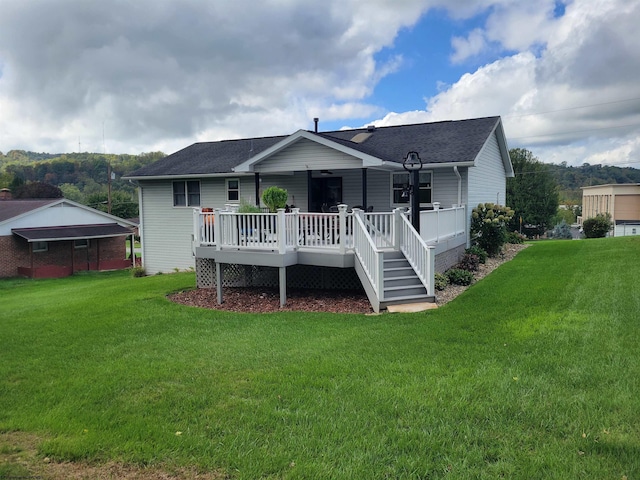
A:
[413,164]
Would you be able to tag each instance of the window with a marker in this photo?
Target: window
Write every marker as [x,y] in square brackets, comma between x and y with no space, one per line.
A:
[40,246]
[81,243]
[186,193]
[400,186]
[233,190]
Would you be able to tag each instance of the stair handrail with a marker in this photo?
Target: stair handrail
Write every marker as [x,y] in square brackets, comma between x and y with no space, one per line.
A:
[370,256]
[420,256]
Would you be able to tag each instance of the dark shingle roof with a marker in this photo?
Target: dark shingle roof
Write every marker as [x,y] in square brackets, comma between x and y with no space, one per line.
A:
[437,142]
[72,232]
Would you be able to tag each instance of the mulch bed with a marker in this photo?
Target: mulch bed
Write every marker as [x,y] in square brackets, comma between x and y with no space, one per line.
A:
[263,300]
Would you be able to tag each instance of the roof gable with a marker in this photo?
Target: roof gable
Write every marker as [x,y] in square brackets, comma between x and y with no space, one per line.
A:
[250,164]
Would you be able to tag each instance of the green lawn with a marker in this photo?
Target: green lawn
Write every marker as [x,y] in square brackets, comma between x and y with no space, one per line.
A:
[534,372]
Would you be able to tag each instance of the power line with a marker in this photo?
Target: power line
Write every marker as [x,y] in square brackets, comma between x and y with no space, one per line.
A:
[576,131]
[573,108]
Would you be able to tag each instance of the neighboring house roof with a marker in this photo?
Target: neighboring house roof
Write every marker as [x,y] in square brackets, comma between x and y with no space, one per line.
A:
[72,232]
[11,210]
[438,144]
[14,208]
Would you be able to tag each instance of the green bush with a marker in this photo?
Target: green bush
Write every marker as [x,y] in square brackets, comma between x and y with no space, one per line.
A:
[561,231]
[457,276]
[489,226]
[598,226]
[469,262]
[478,252]
[246,207]
[515,238]
[138,272]
[441,281]
[275,198]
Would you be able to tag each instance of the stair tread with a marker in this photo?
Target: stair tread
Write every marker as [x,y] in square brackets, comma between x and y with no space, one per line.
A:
[408,297]
[402,287]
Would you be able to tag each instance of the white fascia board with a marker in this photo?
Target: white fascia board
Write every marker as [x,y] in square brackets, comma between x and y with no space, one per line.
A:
[498,130]
[428,166]
[193,176]
[367,160]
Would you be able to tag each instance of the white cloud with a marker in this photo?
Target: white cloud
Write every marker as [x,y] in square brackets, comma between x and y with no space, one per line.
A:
[573,84]
[468,47]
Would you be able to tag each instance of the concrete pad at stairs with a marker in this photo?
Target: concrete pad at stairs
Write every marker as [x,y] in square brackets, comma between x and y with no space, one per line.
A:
[411,307]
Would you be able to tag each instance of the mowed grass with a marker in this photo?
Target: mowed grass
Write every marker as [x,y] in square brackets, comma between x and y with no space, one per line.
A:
[534,372]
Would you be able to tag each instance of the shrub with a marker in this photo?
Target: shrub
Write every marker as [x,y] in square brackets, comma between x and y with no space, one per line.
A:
[561,231]
[275,198]
[478,252]
[489,226]
[138,272]
[441,281]
[246,207]
[515,237]
[469,262]
[457,276]
[598,226]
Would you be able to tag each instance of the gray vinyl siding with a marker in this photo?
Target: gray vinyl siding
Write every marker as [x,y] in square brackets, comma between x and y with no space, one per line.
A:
[295,185]
[167,231]
[487,180]
[307,155]
[445,187]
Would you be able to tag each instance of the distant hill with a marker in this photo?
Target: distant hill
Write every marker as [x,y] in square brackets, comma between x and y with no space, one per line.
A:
[571,179]
[83,177]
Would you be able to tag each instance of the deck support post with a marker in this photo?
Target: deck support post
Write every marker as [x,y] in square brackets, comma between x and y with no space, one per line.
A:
[217,231]
[219,280]
[364,189]
[282,274]
[296,228]
[281,231]
[397,227]
[342,221]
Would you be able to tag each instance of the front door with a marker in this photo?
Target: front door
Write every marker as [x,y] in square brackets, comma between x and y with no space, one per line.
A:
[326,192]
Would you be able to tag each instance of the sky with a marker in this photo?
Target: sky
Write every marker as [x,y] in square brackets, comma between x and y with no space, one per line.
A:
[121,76]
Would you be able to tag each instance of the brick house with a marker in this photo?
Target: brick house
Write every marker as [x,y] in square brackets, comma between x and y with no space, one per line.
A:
[52,238]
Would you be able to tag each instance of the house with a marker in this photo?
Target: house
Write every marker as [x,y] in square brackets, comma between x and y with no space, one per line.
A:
[344,187]
[55,237]
[621,201]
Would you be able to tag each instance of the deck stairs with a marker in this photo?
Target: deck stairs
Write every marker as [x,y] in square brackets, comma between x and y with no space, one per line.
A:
[401,284]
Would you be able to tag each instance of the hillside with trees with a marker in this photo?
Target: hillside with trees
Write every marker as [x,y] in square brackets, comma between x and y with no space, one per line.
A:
[82,177]
[571,179]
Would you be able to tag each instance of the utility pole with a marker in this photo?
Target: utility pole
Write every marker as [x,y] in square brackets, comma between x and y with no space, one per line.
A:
[110,173]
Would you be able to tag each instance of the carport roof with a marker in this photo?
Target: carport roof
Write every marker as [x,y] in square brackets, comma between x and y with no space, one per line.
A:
[72,232]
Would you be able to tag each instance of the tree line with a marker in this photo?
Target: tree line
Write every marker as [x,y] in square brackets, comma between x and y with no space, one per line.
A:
[82,177]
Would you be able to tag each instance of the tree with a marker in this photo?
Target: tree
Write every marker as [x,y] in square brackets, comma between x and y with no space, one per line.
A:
[532,193]
[275,198]
[37,190]
[121,204]
[598,226]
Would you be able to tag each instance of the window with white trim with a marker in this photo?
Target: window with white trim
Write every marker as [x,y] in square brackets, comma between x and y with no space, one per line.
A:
[81,243]
[186,193]
[40,246]
[233,189]
[400,188]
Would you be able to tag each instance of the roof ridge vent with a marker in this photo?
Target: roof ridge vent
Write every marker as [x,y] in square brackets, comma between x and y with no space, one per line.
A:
[371,128]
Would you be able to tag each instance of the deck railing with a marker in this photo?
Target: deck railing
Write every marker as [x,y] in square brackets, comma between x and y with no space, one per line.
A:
[370,256]
[326,231]
[420,256]
[444,223]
